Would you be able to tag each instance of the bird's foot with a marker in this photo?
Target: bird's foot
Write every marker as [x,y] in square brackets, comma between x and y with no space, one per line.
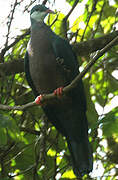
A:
[39,99]
[58,92]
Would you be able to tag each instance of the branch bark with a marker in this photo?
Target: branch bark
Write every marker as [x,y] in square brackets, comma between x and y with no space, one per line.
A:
[12,67]
[64,22]
[49,97]
[92,45]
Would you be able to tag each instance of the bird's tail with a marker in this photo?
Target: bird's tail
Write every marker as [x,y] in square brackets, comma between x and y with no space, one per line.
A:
[82,157]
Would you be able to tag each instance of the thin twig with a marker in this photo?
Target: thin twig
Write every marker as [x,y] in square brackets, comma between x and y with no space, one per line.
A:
[22,172]
[99,20]
[30,131]
[6,48]
[73,7]
[93,9]
[64,22]
[54,20]
[6,107]
[10,22]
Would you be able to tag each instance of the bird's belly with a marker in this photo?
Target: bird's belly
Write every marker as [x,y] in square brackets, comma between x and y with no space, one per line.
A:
[46,77]
[42,76]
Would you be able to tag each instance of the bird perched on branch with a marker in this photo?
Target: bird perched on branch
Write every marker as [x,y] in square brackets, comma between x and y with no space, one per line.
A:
[50,65]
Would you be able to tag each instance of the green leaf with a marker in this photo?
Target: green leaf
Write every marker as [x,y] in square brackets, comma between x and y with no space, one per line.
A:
[69,174]
[59,26]
[110,123]
[3,136]
[7,122]
[92,115]
[71,2]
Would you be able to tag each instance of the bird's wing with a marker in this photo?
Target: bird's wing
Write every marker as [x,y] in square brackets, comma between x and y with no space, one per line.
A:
[63,50]
[28,76]
[65,57]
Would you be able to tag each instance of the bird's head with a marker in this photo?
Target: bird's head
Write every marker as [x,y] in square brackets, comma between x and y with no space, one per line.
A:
[39,12]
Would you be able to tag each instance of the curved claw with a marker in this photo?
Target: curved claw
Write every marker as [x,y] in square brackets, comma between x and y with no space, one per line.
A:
[39,99]
[58,91]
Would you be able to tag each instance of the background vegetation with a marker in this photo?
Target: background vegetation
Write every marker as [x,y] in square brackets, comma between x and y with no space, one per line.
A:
[30,147]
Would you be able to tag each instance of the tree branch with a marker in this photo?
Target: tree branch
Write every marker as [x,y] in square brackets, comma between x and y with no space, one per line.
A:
[6,107]
[12,67]
[10,19]
[64,22]
[91,63]
[73,7]
[81,49]
[91,13]
[47,98]
[30,131]
[4,50]
[92,45]
[99,20]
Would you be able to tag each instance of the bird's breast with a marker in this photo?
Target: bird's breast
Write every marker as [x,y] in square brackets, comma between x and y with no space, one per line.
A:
[42,64]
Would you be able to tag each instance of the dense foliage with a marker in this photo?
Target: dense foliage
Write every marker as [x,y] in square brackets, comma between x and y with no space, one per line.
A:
[30,147]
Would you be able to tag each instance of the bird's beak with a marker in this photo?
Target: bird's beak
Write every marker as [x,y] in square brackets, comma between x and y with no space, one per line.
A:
[50,11]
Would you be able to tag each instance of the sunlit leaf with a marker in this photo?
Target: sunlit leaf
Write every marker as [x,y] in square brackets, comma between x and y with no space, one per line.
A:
[71,2]
[110,123]
[69,174]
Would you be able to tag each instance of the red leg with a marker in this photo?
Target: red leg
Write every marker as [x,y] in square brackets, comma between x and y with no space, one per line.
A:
[38,100]
[58,91]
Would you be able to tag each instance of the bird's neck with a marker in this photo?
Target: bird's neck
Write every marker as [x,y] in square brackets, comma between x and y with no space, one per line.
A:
[35,19]
[35,23]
